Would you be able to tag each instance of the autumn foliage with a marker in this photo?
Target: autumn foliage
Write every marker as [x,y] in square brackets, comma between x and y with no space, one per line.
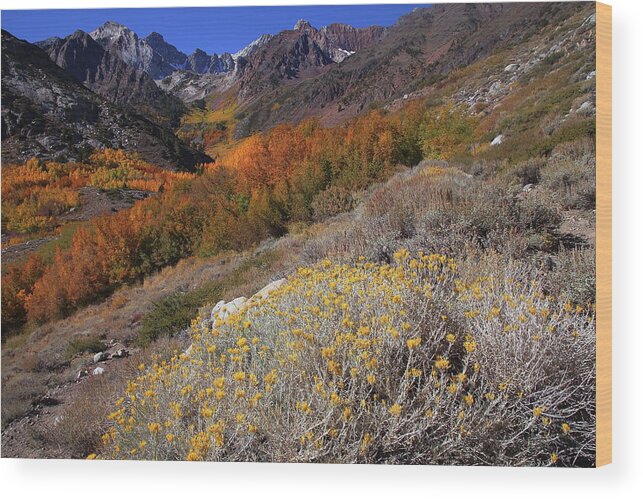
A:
[33,194]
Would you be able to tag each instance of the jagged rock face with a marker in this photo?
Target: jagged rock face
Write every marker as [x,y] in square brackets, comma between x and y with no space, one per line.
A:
[48,113]
[105,73]
[199,62]
[342,40]
[134,51]
[154,55]
[189,86]
[167,51]
[202,63]
[338,41]
[302,25]
[302,50]
[252,46]
[284,57]
[225,63]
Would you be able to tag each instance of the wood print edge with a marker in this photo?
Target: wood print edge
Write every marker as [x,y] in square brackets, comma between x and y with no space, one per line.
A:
[603,234]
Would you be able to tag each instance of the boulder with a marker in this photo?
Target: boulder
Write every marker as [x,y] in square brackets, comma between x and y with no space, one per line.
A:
[215,311]
[510,68]
[266,290]
[586,108]
[100,356]
[528,188]
[232,307]
[498,140]
[98,371]
[223,310]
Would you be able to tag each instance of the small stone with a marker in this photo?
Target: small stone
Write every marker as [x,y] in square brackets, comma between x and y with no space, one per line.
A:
[510,68]
[119,354]
[528,188]
[98,371]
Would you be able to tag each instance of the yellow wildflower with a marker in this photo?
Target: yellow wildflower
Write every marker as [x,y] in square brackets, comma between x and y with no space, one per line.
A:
[154,427]
[413,343]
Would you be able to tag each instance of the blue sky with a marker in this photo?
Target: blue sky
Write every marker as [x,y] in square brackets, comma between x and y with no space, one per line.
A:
[213,29]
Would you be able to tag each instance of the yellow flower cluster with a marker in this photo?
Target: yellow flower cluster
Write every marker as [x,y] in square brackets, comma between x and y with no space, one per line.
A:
[341,360]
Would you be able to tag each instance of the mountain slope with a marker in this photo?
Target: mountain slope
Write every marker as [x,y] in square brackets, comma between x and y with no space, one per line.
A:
[47,113]
[419,50]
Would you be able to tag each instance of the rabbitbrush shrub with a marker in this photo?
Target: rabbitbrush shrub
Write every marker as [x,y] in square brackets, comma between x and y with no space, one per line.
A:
[420,361]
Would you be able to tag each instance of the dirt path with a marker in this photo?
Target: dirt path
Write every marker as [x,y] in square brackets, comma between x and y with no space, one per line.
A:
[25,437]
[17,251]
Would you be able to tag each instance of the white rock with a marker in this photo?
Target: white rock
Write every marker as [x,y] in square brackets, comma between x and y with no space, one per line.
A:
[590,20]
[266,290]
[510,68]
[528,187]
[98,371]
[586,108]
[591,75]
[215,311]
[231,307]
[100,356]
[498,140]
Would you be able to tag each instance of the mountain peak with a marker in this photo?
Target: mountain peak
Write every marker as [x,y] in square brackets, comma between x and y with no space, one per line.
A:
[154,37]
[111,30]
[252,46]
[302,24]
[79,34]
[112,26]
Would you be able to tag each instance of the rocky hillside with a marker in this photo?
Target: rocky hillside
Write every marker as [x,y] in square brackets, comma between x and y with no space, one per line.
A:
[299,53]
[47,113]
[414,54]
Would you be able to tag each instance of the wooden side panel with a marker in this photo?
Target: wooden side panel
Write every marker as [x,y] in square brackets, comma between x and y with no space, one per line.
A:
[603,234]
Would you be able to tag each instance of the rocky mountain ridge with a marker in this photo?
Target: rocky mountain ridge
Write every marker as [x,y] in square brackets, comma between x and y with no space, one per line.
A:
[48,113]
[156,56]
[107,74]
